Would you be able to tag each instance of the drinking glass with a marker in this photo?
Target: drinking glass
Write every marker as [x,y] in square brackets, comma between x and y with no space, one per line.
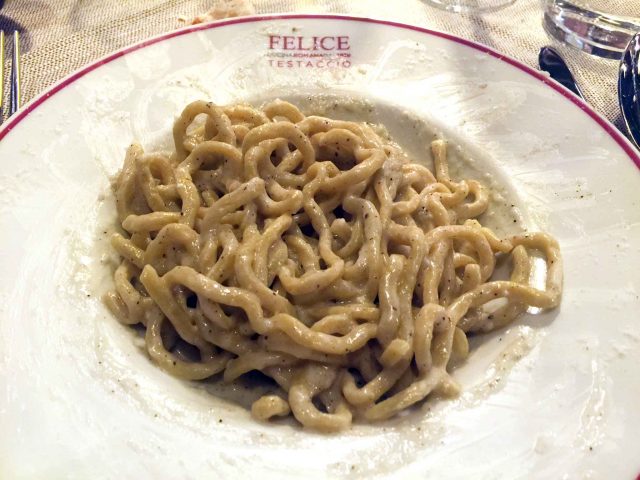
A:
[599,27]
[470,5]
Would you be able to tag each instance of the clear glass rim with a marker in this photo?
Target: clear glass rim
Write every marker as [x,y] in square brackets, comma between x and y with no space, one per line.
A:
[469,6]
[602,34]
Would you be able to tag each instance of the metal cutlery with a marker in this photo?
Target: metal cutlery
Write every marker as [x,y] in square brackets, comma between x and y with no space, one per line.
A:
[628,82]
[15,93]
[629,88]
[1,73]
[550,61]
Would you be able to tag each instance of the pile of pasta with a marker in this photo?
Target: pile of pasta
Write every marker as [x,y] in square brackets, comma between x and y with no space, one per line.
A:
[316,252]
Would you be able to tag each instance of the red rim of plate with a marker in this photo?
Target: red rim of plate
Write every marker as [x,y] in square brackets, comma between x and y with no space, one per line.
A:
[604,123]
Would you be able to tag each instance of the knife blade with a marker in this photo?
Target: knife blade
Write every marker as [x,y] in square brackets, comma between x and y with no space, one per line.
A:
[629,88]
[551,62]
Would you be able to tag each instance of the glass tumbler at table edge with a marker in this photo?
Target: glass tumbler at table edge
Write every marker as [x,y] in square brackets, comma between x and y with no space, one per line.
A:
[470,5]
[599,27]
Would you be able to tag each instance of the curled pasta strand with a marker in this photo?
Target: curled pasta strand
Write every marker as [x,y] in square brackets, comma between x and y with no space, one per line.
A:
[323,342]
[255,361]
[306,385]
[269,406]
[218,126]
[170,363]
[280,108]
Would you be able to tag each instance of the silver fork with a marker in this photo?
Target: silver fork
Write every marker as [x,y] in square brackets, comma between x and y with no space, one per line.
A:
[15,94]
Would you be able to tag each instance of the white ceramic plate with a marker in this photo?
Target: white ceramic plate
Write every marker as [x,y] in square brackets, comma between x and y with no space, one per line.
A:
[554,396]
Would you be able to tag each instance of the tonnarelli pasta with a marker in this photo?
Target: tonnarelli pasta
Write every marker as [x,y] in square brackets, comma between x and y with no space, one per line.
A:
[316,252]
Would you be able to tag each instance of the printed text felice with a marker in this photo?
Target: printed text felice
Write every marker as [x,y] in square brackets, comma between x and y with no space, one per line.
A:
[299,43]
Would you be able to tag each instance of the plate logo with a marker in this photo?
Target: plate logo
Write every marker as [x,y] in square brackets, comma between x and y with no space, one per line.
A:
[298,51]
